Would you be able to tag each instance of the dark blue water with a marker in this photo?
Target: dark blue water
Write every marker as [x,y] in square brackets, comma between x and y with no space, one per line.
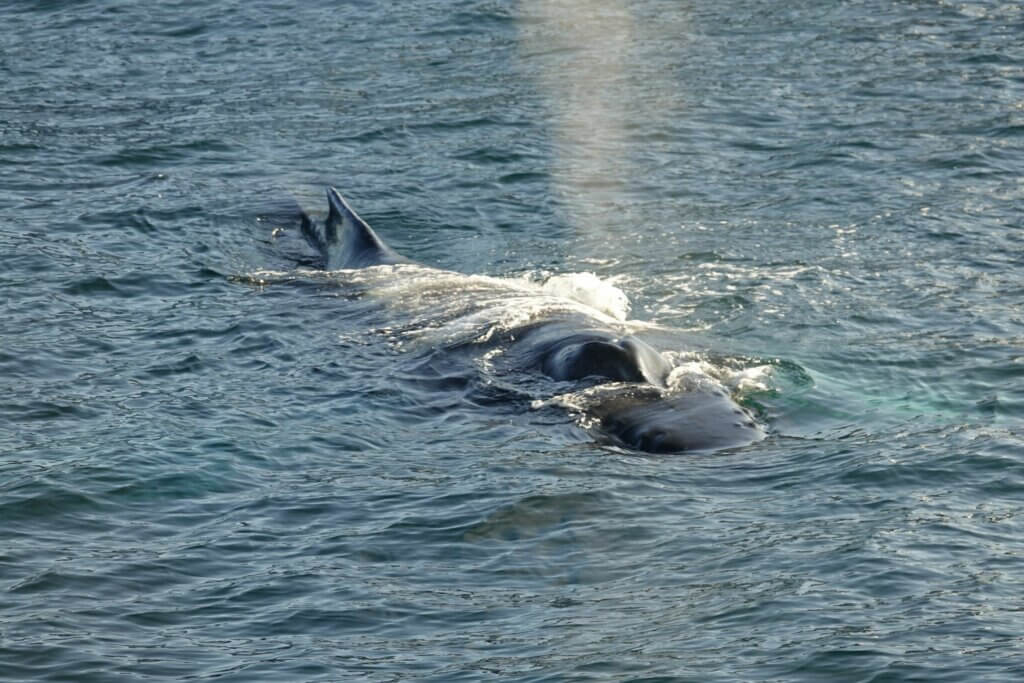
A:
[209,473]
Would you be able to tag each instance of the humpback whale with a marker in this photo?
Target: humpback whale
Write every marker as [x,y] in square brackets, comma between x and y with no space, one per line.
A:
[629,397]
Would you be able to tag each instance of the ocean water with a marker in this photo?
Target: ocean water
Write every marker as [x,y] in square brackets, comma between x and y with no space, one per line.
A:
[219,463]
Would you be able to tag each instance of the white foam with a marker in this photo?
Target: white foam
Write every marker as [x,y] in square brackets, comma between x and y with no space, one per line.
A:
[691,372]
[694,376]
[757,378]
[590,290]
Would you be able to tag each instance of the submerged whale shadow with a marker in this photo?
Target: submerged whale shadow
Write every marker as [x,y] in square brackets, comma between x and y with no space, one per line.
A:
[628,399]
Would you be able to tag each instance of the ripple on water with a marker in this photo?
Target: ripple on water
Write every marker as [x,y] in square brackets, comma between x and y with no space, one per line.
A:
[206,475]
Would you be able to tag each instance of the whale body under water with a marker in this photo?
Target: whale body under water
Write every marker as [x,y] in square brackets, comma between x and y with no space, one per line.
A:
[621,386]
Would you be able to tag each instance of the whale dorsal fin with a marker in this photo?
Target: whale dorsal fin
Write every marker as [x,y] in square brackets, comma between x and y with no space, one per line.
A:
[348,242]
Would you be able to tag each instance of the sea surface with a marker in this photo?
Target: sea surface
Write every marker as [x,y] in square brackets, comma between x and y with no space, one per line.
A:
[217,463]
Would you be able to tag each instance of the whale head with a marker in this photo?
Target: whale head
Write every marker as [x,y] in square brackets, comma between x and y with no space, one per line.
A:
[691,421]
